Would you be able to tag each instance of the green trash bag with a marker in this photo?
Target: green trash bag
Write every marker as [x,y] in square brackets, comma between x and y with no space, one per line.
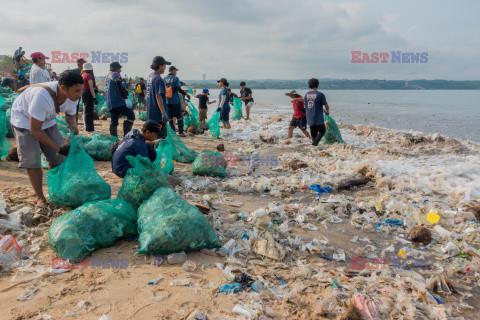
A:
[100,99]
[180,151]
[164,157]
[94,225]
[98,147]
[75,181]
[2,101]
[237,109]
[167,223]
[9,125]
[210,164]
[192,118]
[62,125]
[214,124]
[142,116]
[141,181]
[332,133]
[4,146]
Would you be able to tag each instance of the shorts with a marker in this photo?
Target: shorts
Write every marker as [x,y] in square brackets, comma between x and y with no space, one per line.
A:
[250,104]
[141,98]
[202,114]
[30,149]
[174,111]
[225,115]
[300,123]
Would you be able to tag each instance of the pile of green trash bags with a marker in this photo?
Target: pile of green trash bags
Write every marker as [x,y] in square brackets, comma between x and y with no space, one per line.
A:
[237,109]
[210,164]
[4,146]
[214,124]
[167,223]
[192,118]
[93,225]
[180,151]
[98,146]
[332,134]
[7,97]
[141,181]
[75,181]
[142,116]
[164,157]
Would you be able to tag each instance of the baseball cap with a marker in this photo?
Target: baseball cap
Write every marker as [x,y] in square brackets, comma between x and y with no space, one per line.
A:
[222,80]
[206,91]
[87,66]
[81,60]
[160,60]
[173,68]
[291,93]
[242,83]
[115,65]
[38,55]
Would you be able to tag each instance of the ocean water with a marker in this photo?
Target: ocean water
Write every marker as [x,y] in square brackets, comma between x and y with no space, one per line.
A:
[453,113]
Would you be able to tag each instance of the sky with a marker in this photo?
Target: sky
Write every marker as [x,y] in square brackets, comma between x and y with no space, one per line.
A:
[254,39]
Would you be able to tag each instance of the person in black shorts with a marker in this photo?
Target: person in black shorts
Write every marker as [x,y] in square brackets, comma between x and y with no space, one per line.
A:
[299,118]
[203,103]
[140,90]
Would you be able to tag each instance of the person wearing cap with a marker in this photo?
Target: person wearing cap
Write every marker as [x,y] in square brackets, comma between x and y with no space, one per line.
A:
[115,96]
[314,102]
[33,116]
[133,144]
[89,98]
[22,82]
[299,118]
[246,97]
[203,103]
[174,105]
[80,63]
[140,93]
[223,103]
[156,94]
[38,73]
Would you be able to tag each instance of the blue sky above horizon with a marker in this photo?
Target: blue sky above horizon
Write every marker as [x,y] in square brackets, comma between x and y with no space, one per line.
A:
[254,39]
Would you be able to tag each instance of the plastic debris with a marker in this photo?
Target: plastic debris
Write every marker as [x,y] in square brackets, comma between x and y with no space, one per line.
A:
[189,266]
[177,258]
[231,287]
[319,189]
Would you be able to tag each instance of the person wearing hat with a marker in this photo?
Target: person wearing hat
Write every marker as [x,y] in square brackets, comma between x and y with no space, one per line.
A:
[223,103]
[133,144]
[246,97]
[38,73]
[140,93]
[203,103]
[33,123]
[174,104]
[299,118]
[115,96]
[314,102]
[156,94]
[22,82]
[88,97]
[80,63]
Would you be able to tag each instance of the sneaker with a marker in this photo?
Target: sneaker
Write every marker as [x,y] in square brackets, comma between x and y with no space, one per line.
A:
[182,135]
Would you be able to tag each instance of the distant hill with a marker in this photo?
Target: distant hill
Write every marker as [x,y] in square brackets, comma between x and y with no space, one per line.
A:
[336,84]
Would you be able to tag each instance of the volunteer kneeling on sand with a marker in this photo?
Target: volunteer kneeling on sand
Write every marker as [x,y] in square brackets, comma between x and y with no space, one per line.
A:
[33,121]
[133,144]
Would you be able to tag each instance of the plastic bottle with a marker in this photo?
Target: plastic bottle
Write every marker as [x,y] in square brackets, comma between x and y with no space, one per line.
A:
[10,250]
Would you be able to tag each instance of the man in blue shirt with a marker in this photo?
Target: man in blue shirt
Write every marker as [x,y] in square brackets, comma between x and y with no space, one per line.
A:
[174,105]
[115,95]
[156,98]
[21,72]
[80,63]
[314,102]
[133,144]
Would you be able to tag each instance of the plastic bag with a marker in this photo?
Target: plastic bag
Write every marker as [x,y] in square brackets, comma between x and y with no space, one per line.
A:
[142,116]
[167,223]
[75,181]
[98,147]
[237,109]
[210,164]
[191,119]
[164,157]
[9,125]
[62,126]
[94,225]
[4,146]
[332,133]
[180,151]
[141,181]
[214,124]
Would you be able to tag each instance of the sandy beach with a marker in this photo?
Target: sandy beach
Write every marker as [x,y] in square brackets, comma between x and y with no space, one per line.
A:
[324,236]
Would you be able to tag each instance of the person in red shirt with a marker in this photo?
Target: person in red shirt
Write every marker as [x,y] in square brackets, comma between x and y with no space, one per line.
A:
[88,97]
[299,118]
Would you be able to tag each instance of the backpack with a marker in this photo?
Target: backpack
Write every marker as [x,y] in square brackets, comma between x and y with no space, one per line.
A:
[138,89]
[169,89]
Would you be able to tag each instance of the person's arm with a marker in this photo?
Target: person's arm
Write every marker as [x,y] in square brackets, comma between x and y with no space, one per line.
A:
[121,89]
[141,148]
[327,109]
[179,89]
[92,89]
[210,102]
[72,123]
[223,98]
[40,135]
[160,102]
[300,99]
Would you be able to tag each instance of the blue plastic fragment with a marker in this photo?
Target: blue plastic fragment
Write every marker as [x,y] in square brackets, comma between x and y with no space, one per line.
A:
[324,256]
[439,300]
[319,189]
[390,223]
[231,287]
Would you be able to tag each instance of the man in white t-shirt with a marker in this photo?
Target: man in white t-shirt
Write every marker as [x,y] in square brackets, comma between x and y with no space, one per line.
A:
[38,73]
[33,122]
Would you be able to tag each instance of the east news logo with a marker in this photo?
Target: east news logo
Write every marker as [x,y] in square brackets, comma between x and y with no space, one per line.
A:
[395,57]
